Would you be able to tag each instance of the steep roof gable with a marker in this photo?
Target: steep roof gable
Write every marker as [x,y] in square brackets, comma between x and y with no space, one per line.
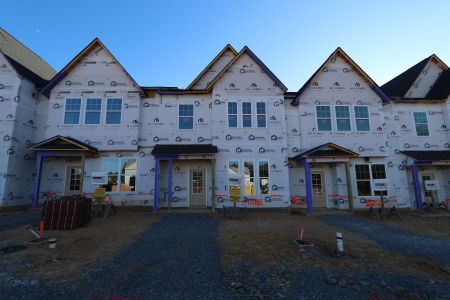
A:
[339,52]
[228,47]
[63,73]
[399,85]
[26,62]
[253,56]
[441,88]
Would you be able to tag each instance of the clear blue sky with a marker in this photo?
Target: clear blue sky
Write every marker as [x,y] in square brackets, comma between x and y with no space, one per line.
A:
[170,42]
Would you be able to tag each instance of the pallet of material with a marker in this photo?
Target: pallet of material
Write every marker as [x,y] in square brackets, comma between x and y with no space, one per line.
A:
[66,213]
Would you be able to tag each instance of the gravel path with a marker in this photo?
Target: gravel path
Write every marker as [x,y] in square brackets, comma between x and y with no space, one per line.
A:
[177,258]
[23,217]
[395,239]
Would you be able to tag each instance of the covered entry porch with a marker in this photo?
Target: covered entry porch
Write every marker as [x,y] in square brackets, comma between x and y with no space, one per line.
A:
[430,173]
[74,153]
[184,176]
[327,162]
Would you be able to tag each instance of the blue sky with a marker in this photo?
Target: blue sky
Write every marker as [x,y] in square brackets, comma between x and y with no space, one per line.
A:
[169,42]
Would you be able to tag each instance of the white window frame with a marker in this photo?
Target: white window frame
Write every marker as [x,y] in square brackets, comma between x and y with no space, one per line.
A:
[106,111]
[65,110]
[356,119]
[254,177]
[317,119]
[268,178]
[237,114]
[371,180]
[193,117]
[119,174]
[336,117]
[415,124]
[251,114]
[101,110]
[265,114]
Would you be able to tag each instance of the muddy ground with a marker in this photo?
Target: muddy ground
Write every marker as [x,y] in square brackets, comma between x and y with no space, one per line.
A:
[76,251]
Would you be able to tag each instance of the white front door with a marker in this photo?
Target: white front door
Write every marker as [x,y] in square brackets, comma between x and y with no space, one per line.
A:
[73,181]
[319,195]
[429,195]
[197,193]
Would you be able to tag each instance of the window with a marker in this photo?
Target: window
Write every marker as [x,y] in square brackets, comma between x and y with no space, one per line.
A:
[121,174]
[114,111]
[362,118]
[261,114]
[72,111]
[186,116]
[93,111]
[365,174]
[232,115]
[421,121]
[249,178]
[233,167]
[323,114]
[343,118]
[197,182]
[246,114]
[263,167]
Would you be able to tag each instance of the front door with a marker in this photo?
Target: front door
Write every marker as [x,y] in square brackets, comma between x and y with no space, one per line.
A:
[73,181]
[428,195]
[318,189]
[197,193]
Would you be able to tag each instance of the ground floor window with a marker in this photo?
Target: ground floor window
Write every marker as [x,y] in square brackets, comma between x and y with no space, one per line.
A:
[365,174]
[263,177]
[249,178]
[121,174]
[254,176]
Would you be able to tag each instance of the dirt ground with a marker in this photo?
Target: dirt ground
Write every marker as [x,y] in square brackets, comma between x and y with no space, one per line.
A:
[77,251]
[268,237]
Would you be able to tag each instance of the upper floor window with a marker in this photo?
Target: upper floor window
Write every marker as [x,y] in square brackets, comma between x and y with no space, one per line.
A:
[323,114]
[362,118]
[421,121]
[261,114]
[343,118]
[186,116]
[72,111]
[232,115]
[246,114]
[113,111]
[93,111]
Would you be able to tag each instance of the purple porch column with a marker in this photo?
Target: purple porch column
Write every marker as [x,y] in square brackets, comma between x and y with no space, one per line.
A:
[307,167]
[155,187]
[37,179]
[169,186]
[417,190]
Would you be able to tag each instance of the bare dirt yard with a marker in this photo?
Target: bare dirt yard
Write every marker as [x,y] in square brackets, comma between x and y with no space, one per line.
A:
[77,251]
[260,258]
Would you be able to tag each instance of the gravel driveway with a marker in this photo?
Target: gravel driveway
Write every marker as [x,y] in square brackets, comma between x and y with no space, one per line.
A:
[395,239]
[177,258]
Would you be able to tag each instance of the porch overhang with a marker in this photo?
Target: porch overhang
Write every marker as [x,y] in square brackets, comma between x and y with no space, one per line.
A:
[326,153]
[433,158]
[185,151]
[64,145]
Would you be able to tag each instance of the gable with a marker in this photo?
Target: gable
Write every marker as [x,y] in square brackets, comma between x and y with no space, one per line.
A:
[27,59]
[425,79]
[62,143]
[340,73]
[246,72]
[213,68]
[94,66]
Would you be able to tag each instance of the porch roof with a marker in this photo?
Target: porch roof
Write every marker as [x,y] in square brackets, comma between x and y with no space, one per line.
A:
[430,156]
[62,143]
[328,150]
[184,149]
